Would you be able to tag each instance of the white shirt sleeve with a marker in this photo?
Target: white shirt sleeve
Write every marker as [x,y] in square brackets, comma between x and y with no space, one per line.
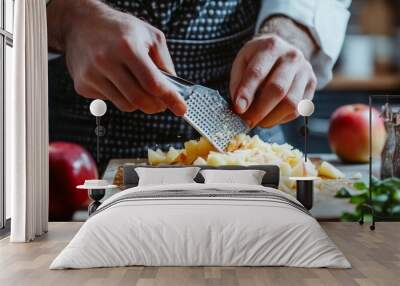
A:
[326,21]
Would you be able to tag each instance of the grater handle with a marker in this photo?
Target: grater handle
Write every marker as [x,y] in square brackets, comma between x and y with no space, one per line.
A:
[183,86]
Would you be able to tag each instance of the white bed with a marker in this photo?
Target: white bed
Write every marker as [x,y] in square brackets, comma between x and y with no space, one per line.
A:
[201,224]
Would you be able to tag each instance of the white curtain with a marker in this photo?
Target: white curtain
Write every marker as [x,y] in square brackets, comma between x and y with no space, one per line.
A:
[27,124]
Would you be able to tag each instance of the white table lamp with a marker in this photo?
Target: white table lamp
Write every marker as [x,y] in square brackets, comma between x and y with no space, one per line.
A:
[305,185]
[98,108]
[305,108]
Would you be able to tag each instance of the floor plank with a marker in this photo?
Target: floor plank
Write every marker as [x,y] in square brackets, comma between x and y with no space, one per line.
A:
[375,257]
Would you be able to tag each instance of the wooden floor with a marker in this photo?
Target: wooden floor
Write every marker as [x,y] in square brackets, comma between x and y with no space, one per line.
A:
[375,257]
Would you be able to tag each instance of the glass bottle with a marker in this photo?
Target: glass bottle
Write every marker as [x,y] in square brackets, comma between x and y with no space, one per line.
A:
[396,155]
[390,143]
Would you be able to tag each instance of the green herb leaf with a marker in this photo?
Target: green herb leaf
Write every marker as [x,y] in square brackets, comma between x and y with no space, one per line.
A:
[391,183]
[360,199]
[343,193]
[395,210]
[385,196]
[375,182]
[349,217]
[380,198]
[360,186]
[396,195]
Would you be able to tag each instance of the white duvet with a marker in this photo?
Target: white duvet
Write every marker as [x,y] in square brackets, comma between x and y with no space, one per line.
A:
[188,231]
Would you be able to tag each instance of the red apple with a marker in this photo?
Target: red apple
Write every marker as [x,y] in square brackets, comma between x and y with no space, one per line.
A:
[70,165]
[349,133]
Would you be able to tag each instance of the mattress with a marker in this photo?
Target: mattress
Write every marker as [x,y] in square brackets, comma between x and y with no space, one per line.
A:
[201,225]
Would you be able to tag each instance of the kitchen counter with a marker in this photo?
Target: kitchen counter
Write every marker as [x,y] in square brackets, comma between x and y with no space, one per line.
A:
[383,82]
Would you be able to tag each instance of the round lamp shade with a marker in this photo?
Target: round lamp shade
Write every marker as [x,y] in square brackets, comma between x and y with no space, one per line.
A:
[305,107]
[98,107]
[96,185]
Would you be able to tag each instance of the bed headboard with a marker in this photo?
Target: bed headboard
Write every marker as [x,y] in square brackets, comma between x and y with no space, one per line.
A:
[270,179]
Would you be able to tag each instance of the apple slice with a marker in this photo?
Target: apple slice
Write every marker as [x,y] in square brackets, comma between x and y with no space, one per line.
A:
[329,171]
[285,169]
[304,169]
[216,159]
[197,148]
[173,155]
[200,161]
[156,157]
[204,147]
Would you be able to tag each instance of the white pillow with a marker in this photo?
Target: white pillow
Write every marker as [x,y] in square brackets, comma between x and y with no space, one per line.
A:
[248,177]
[166,176]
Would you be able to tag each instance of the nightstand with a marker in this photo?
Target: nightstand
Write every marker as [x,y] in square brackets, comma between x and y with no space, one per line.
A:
[96,191]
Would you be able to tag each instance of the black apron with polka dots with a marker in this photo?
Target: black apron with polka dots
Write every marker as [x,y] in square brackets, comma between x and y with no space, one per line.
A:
[203,38]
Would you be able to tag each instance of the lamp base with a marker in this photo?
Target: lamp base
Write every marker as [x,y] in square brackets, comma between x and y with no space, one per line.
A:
[305,192]
[96,195]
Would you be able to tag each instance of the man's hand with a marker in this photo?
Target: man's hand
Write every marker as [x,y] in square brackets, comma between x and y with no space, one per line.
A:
[112,55]
[270,75]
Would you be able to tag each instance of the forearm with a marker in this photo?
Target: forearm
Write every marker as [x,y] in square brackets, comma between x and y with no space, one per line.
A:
[62,15]
[291,32]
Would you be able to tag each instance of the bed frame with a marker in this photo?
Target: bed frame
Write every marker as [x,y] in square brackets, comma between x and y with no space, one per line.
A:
[131,179]
[270,179]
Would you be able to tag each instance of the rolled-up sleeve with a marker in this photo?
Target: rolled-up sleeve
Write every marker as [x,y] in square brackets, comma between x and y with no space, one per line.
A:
[325,19]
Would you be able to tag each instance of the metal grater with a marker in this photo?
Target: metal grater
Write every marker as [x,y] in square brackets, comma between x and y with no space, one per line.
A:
[209,113]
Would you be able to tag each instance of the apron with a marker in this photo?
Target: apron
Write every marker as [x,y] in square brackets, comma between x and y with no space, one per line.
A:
[203,38]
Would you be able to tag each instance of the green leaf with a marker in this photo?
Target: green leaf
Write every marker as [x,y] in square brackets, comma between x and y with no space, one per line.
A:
[357,200]
[343,193]
[360,186]
[396,195]
[380,198]
[378,209]
[375,182]
[391,183]
[349,217]
[367,218]
[395,210]
[385,198]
